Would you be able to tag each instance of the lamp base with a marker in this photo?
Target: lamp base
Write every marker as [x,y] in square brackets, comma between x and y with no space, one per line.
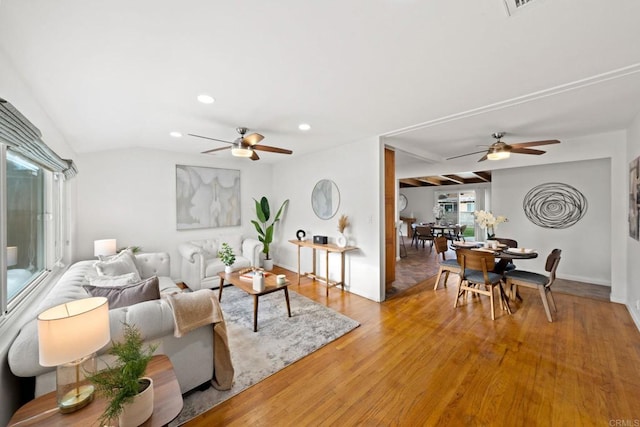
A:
[76,399]
[74,389]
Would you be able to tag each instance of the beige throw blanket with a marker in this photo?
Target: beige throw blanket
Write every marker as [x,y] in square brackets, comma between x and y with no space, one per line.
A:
[192,310]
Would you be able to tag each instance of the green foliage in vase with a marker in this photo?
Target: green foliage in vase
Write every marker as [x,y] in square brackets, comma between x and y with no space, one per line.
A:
[264,229]
[226,254]
[120,383]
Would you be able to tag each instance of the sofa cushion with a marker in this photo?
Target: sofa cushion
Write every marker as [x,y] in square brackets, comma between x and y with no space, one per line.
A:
[106,281]
[124,296]
[215,265]
[209,247]
[120,264]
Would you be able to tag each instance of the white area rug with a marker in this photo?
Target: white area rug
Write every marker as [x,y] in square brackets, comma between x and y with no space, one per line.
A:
[280,340]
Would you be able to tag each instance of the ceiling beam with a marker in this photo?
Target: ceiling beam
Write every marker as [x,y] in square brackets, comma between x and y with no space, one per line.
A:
[455,178]
[485,176]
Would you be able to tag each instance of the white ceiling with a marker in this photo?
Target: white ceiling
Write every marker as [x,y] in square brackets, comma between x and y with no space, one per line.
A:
[436,77]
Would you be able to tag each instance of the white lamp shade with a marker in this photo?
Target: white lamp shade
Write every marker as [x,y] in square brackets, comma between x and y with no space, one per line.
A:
[104,247]
[12,256]
[70,331]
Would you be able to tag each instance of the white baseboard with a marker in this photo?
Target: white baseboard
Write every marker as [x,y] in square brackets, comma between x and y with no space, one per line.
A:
[635,315]
[590,280]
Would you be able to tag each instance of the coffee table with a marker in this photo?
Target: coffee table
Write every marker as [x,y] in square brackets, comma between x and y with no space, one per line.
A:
[167,403]
[270,285]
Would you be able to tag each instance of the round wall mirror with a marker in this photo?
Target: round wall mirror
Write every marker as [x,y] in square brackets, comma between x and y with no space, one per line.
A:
[325,199]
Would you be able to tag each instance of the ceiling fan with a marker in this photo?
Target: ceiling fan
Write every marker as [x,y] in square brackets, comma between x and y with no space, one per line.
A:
[245,146]
[500,150]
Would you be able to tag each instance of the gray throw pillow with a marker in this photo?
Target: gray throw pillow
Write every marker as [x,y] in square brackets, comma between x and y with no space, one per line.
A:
[124,296]
[120,264]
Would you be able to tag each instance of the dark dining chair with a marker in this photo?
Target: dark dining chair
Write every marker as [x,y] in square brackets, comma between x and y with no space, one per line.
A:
[538,281]
[510,244]
[424,234]
[477,276]
[446,265]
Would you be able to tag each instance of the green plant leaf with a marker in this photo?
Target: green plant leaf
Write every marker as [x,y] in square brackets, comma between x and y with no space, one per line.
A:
[264,204]
[258,228]
[277,218]
[259,212]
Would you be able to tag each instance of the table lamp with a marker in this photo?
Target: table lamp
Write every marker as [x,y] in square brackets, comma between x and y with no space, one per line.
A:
[104,247]
[68,336]
[12,256]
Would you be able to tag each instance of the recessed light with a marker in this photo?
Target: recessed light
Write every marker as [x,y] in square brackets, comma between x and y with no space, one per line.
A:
[304,126]
[206,99]
[175,134]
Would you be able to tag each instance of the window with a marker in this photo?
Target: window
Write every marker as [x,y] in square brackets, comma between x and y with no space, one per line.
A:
[32,207]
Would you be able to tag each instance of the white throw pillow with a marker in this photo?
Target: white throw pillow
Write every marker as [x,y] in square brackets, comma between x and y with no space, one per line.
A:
[111,281]
[122,263]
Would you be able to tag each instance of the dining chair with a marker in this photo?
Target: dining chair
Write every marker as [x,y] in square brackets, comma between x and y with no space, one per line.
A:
[538,281]
[460,234]
[424,235]
[476,273]
[510,244]
[446,265]
[452,233]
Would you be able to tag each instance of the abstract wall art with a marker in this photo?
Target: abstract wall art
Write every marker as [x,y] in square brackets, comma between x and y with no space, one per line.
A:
[207,197]
[634,198]
[554,205]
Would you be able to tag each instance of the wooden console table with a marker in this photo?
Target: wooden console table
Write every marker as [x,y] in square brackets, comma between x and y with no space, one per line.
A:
[167,403]
[328,248]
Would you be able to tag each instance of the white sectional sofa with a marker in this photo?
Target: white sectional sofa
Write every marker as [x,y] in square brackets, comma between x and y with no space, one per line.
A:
[200,264]
[191,355]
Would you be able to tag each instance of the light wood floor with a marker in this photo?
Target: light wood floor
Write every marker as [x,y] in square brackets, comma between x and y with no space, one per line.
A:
[415,360]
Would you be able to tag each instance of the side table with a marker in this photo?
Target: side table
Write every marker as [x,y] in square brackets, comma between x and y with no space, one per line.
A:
[328,248]
[167,403]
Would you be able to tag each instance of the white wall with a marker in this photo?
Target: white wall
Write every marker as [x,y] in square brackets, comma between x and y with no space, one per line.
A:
[360,189]
[632,245]
[129,195]
[586,246]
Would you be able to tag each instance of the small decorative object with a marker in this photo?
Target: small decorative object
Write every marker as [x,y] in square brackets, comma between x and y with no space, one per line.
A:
[258,281]
[265,232]
[554,205]
[343,223]
[123,383]
[280,279]
[487,221]
[227,257]
[300,234]
[320,240]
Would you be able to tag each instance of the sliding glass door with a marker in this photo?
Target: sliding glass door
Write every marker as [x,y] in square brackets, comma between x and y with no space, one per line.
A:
[458,208]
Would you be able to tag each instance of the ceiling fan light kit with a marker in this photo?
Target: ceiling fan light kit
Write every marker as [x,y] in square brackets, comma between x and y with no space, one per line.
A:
[245,146]
[500,150]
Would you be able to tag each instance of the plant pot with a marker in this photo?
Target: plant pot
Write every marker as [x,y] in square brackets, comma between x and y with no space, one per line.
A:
[267,264]
[228,269]
[138,411]
[341,240]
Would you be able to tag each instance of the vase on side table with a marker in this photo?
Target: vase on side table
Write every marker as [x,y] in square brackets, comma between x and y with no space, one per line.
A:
[341,240]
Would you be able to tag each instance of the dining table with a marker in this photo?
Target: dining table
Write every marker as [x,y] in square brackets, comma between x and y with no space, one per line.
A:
[502,253]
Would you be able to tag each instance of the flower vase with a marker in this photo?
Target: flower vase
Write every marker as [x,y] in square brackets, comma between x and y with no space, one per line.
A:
[140,408]
[341,240]
[228,269]
[491,233]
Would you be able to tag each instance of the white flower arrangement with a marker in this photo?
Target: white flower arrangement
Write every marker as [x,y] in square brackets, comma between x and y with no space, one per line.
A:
[488,221]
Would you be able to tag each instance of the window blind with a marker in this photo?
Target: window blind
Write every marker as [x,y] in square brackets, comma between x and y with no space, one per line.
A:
[21,136]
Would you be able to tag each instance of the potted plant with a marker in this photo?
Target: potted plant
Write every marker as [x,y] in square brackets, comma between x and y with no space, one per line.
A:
[129,395]
[264,229]
[227,257]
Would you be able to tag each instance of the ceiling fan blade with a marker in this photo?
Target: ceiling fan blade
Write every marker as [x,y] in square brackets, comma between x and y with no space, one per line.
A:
[535,143]
[253,139]
[272,149]
[212,139]
[215,149]
[468,154]
[483,158]
[255,156]
[527,151]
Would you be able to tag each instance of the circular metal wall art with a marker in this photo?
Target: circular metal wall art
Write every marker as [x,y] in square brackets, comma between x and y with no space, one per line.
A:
[554,205]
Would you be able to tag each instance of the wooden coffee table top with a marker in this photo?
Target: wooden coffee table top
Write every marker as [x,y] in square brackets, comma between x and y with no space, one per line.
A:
[246,285]
[167,403]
